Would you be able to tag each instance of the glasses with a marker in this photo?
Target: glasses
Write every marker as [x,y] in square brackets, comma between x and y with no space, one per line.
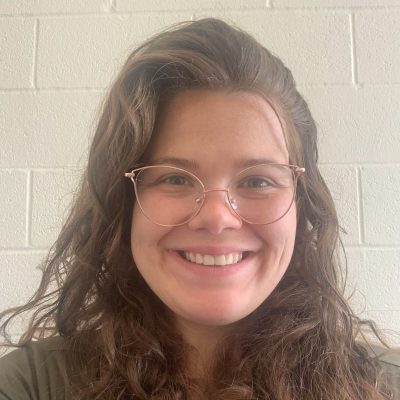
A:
[171,196]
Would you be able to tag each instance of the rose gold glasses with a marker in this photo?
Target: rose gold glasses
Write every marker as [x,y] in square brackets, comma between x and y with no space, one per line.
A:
[171,196]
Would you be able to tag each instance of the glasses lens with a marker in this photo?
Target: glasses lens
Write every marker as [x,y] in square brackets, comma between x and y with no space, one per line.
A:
[263,194]
[168,195]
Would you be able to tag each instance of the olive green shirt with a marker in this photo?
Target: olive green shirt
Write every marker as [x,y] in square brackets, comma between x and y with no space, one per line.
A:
[38,371]
[44,370]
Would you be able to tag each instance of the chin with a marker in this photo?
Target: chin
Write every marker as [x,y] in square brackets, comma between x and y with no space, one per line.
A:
[211,320]
[214,315]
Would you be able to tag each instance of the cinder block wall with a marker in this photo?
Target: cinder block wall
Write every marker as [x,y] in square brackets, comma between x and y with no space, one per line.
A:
[57,57]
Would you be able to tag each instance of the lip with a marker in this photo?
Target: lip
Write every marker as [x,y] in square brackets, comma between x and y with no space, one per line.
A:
[214,251]
[190,269]
[220,260]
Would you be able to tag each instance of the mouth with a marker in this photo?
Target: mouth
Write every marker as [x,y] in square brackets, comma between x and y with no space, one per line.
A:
[214,260]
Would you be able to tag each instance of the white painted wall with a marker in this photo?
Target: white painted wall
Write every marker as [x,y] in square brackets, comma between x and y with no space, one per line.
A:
[57,57]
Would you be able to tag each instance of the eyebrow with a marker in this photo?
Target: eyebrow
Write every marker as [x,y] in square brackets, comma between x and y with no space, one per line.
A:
[257,161]
[177,162]
[193,165]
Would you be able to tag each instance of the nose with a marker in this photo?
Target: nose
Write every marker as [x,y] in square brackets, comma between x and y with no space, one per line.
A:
[215,214]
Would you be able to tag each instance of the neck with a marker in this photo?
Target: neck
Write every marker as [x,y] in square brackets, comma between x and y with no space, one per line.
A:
[203,342]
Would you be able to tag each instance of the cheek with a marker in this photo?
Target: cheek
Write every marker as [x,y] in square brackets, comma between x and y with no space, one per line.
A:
[142,229]
[146,239]
[140,235]
[279,240]
[135,228]
[281,233]
[136,215]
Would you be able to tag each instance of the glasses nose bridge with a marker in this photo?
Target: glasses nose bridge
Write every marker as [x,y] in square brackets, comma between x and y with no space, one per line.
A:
[216,190]
[205,191]
[228,200]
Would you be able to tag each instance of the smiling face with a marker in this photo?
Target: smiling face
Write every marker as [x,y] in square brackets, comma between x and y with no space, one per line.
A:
[214,134]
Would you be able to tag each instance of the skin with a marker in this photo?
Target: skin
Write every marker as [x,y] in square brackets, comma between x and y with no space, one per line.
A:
[214,133]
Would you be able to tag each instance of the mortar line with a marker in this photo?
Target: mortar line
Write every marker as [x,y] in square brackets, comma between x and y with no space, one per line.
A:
[362,248]
[361,163]
[35,51]
[131,13]
[28,216]
[337,8]
[80,168]
[302,86]
[53,90]
[371,247]
[30,250]
[354,66]
[245,11]
[72,169]
[361,228]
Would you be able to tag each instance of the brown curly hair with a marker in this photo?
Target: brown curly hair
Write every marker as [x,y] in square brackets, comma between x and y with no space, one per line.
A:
[299,344]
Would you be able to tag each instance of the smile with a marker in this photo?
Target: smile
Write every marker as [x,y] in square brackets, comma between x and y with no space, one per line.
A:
[210,260]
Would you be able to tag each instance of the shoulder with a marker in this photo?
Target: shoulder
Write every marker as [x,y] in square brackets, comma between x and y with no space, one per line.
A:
[39,370]
[391,368]
[390,362]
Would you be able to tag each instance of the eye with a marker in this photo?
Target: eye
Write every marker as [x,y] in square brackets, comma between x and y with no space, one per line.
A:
[256,182]
[178,180]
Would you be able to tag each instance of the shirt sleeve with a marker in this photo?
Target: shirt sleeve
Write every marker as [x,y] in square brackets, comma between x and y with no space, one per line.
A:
[36,371]
[392,374]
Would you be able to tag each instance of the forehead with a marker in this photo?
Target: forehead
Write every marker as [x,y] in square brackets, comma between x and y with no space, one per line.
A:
[218,127]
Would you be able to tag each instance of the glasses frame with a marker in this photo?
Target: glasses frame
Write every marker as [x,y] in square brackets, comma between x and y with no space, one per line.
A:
[296,171]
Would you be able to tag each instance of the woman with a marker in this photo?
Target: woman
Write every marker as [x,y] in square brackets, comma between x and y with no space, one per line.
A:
[199,258]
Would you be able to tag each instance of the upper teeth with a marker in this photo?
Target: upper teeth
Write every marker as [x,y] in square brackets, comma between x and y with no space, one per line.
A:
[206,259]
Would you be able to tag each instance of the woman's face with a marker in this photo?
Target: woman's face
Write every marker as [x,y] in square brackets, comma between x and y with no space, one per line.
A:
[213,134]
